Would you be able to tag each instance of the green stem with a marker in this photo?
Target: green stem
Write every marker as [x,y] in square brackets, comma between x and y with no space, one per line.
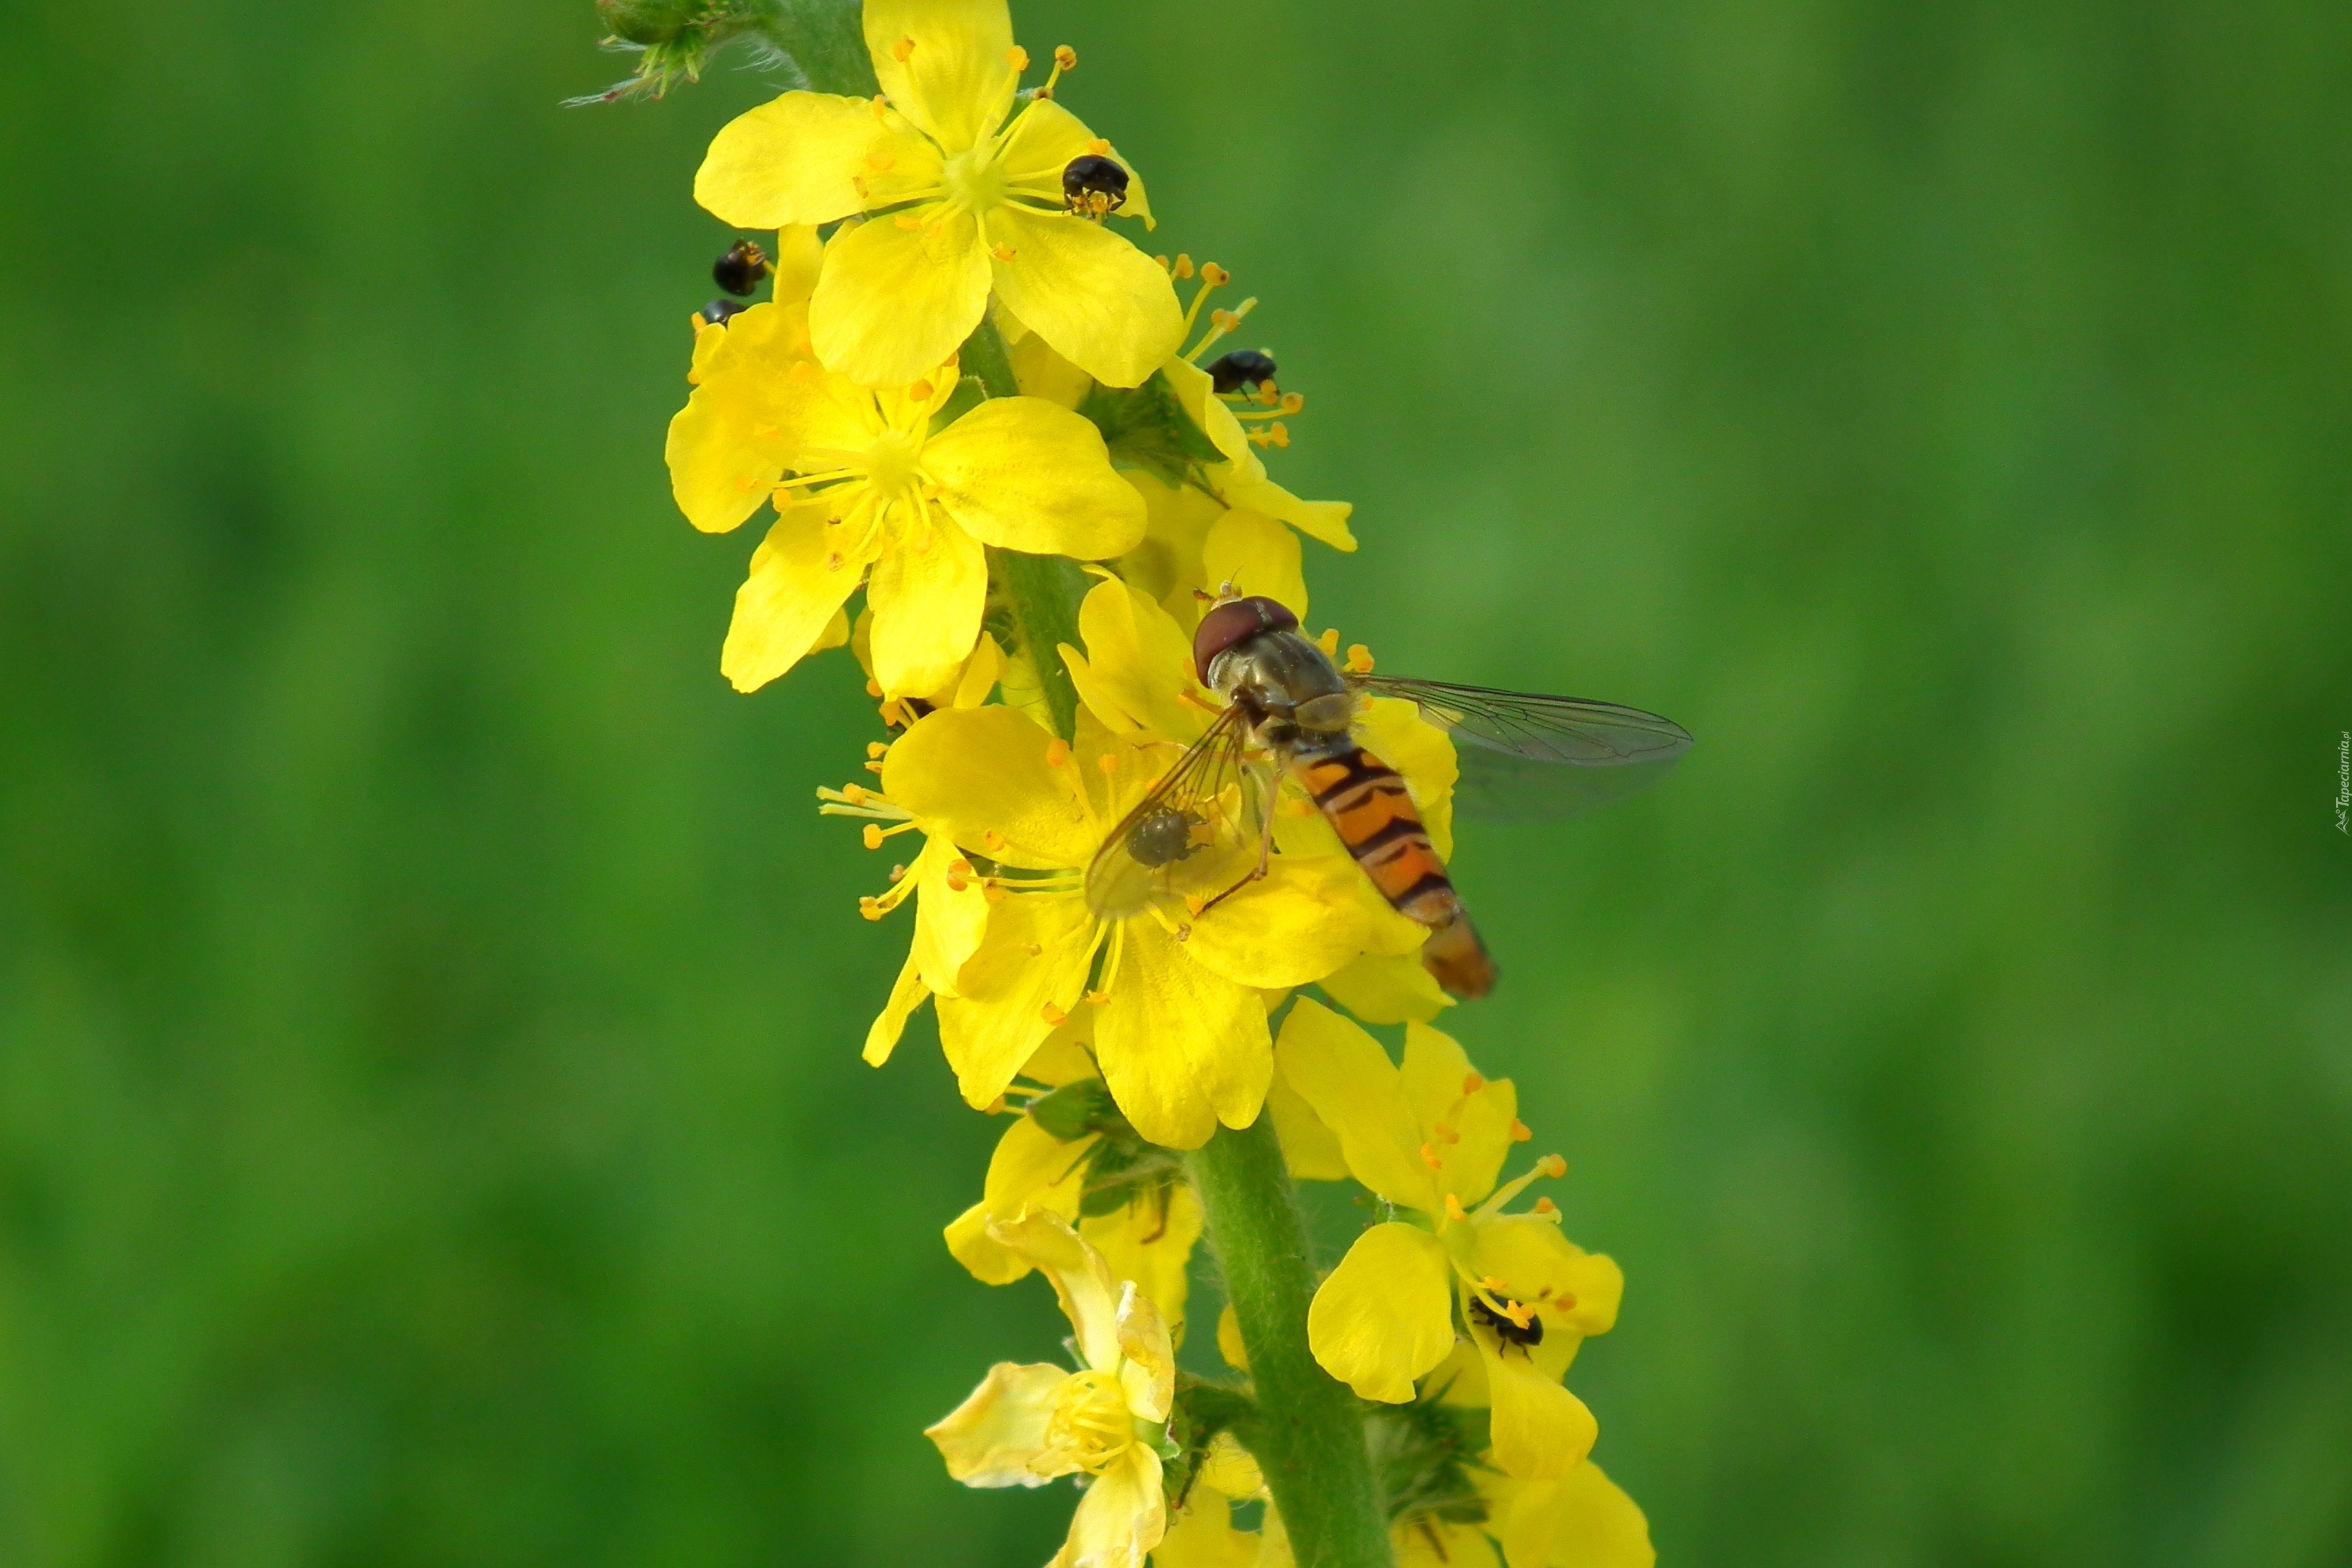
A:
[827,39]
[1309,1433]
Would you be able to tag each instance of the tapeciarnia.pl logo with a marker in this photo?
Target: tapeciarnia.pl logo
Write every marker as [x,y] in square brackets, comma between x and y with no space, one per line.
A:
[2344,782]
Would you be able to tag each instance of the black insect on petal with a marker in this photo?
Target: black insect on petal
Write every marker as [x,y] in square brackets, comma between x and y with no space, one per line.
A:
[718,311]
[1243,367]
[1509,1332]
[739,270]
[1092,186]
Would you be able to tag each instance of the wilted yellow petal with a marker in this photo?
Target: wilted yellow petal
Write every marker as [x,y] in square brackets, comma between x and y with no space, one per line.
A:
[991,1438]
[1259,556]
[796,584]
[1151,1246]
[794,161]
[1182,1047]
[1385,1316]
[1104,305]
[893,303]
[928,599]
[942,63]
[1343,1074]
[1021,474]
[977,770]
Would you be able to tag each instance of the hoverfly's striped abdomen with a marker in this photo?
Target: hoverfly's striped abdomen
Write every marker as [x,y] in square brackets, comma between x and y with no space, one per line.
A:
[1369,807]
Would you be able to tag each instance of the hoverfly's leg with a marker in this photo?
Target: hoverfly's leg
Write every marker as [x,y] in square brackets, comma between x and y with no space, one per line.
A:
[1264,858]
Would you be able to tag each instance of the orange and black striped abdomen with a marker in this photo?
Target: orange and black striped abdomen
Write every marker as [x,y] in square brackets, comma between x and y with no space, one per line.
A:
[1369,806]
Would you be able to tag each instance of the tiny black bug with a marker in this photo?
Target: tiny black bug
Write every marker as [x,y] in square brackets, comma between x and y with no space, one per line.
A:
[1092,186]
[1243,367]
[1162,839]
[1509,1332]
[718,311]
[739,270]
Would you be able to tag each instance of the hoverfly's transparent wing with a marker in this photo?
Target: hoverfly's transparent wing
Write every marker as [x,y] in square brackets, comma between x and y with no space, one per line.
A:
[1199,831]
[1524,757]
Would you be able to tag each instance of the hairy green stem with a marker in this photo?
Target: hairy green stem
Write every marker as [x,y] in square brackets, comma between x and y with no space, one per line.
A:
[1308,1434]
[827,39]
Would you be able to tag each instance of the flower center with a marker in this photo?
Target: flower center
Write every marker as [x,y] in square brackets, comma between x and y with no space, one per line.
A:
[974,180]
[893,461]
[1090,1426]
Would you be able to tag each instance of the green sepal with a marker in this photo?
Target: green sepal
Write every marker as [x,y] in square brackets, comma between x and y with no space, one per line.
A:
[1146,427]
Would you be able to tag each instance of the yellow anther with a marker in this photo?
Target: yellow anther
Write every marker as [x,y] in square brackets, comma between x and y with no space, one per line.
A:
[919,392]
[1293,402]
[1017,57]
[1053,1015]
[1429,1157]
[874,767]
[871,909]
[1518,1314]
[908,222]
[1064,57]
[1215,276]
[1161,262]
[1034,949]
[1359,659]
[1275,434]
[1329,642]
[1098,147]
[993,839]
[803,370]
[1107,763]
[1184,265]
[857,794]
[1447,1135]
[1490,1283]
[1453,1208]
[898,874]
[1471,1083]
[901,49]
[1553,1166]
[993,890]
[1520,1131]
[881,162]
[1193,904]
[1002,252]
[1057,752]
[996,1107]
[960,875]
[881,105]
[1564,1303]
[873,836]
[1545,1206]
[877,749]
[1098,998]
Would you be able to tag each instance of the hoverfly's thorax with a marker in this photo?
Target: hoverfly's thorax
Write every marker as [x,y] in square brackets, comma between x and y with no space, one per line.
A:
[1294,692]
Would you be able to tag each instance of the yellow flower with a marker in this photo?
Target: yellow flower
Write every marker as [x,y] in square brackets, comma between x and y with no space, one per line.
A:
[963,201]
[1181,1029]
[877,495]
[1431,1139]
[1026,1426]
[1070,1151]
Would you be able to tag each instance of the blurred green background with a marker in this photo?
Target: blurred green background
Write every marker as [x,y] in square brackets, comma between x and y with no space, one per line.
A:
[431,1130]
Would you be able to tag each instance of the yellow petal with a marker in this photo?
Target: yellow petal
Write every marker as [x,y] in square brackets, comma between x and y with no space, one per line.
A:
[1121,1517]
[905,995]
[948,923]
[1434,1072]
[1183,1048]
[1229,1340]
[1021,474]
[1139,659]
[796,583]
[731,442]
[1538,1429]
[990,1439]
[942,63]
[1196,392]
[977,770]
[1110,1325]
[800,254]
[1323,520]
[1343,1074]
[892,304]
[1151,1246]
[1104,305]
[1229,1469]
[1041,143]
[795,160]
[1393,731]
[1204,1535]
[1001,1013]
[1307,917]
[1037,370]
[1259,556]
[1596,1526]
[1440,1543]
[928,599]
[1167,564]
[1384,990]
[1029,1167]
[1386,1314]
[1310,1149]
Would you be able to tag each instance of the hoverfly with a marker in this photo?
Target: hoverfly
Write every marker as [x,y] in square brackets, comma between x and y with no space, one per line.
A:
[1206,829]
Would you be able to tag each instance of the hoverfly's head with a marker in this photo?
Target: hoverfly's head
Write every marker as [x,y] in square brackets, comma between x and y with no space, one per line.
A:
[1234,621]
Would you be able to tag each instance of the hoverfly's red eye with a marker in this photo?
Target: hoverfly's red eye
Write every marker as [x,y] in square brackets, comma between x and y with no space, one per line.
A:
[1232,622]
